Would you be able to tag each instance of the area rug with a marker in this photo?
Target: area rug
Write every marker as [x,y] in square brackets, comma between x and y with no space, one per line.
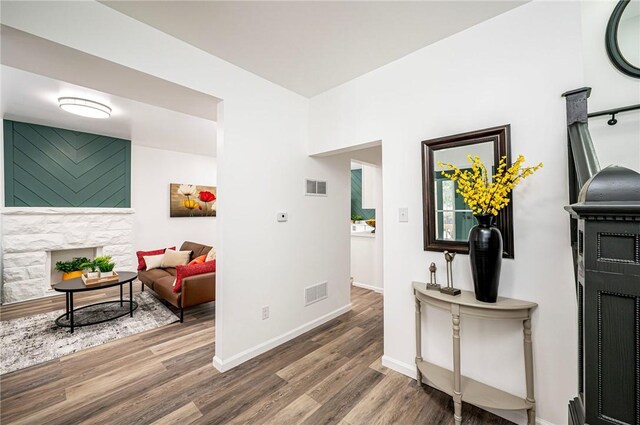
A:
[36,339]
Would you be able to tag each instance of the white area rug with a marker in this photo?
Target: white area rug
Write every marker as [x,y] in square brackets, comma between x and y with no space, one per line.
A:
[36,339]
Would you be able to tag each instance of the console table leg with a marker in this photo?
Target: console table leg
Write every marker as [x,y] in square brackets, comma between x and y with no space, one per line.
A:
[457,394]
[418,341]
[528,368]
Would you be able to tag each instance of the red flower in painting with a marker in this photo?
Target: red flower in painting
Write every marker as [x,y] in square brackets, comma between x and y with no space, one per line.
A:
[206,196]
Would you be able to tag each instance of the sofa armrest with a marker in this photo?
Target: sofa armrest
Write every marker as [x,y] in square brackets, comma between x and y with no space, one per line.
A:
[198,289]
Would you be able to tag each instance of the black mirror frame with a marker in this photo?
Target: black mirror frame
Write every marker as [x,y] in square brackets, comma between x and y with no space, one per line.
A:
[500,136]
[611,42]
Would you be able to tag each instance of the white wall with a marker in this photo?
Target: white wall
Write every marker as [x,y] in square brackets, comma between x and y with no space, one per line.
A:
[618,144]
[510,69]
[262,163]
[152,170]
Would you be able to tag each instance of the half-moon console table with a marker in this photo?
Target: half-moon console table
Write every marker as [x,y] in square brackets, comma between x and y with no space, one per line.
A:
[453,383]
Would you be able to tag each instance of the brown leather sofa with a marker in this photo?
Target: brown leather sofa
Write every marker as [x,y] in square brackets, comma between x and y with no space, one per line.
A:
[195,290]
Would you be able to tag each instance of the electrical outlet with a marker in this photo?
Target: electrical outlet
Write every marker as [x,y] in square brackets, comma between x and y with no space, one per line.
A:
[265,312]
[282,217]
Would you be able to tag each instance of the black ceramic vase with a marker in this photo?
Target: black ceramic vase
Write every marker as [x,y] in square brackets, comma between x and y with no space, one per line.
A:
[485,253]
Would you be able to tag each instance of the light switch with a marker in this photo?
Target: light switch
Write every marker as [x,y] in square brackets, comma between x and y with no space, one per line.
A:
[283,216]
[404,215]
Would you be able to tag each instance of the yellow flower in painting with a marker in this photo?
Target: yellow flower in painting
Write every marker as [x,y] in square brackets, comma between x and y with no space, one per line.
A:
[484,196]
[190,204]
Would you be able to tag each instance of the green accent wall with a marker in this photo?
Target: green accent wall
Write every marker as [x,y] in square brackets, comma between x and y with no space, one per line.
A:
[356,197]
[53,167]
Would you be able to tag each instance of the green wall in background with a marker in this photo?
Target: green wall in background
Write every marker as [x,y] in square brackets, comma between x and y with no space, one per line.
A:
[53,167]
[356,197]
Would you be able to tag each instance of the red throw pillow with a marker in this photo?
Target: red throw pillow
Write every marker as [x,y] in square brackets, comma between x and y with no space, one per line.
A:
[141,254]
[198,260]
[192,270]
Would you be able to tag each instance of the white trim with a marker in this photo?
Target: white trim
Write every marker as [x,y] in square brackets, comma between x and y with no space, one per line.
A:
[370,287]
[410,371]
[401,367]
[238,359]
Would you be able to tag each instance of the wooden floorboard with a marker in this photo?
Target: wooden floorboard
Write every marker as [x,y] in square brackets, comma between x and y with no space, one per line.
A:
[330,375]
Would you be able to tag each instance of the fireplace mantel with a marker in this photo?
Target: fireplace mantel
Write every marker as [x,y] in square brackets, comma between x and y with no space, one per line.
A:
[29,235]
[63,211]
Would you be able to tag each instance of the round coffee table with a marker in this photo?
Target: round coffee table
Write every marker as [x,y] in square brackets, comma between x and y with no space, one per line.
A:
[110,310]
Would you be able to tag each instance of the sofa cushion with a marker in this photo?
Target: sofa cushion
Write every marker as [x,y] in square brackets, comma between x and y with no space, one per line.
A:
[174,258]
[149,277]
[164,288]
[211,255]
[140,254]
[198,260]
[153,261]
[196,248]
[195,269]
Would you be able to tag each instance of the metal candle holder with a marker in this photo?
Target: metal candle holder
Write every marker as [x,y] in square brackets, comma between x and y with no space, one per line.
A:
[449,289]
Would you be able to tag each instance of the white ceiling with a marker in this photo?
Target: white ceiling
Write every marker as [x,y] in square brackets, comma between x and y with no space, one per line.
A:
[310,47]
[33,98]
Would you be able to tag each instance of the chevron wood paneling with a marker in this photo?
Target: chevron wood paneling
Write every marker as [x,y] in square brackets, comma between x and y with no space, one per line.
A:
[53,167]
[356,197]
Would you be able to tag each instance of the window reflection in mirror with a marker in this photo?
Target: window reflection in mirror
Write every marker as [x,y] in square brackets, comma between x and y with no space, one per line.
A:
[454,219]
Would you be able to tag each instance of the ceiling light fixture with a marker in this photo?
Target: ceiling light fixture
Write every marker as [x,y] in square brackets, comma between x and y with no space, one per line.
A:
[84,107]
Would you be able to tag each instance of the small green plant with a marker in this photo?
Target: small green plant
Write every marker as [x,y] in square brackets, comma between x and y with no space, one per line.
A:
[90,265]
[77,263]
[356,217]
[106,267]
[104,263]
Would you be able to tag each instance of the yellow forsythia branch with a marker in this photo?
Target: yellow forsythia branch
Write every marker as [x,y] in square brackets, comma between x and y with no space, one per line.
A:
[481,195]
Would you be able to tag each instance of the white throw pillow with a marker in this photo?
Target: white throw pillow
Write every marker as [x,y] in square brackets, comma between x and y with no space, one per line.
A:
[211,255]
[175,258]
[153,261]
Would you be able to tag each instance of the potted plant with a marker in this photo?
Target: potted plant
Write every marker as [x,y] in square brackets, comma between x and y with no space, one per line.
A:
[93,266]
[355,218]
[71,269]
[105,265]
[372,223]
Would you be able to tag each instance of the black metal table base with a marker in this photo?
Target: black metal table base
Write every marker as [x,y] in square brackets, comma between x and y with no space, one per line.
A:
[123,308]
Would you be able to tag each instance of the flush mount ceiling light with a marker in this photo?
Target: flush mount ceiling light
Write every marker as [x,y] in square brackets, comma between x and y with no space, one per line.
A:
[84,107]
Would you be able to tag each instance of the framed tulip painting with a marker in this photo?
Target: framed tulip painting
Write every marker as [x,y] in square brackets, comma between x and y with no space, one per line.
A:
[190,200]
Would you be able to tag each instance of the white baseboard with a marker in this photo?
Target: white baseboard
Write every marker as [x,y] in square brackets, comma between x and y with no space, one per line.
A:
[238,359]
[410,371]
[370,287]
[401,367]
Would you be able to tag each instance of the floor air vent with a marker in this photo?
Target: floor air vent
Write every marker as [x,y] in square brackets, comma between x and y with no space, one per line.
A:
[315,293]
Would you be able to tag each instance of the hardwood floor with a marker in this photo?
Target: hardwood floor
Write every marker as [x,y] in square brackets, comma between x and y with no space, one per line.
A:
[331,375]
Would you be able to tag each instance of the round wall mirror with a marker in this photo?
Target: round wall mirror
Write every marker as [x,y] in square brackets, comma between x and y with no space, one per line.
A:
[623,37]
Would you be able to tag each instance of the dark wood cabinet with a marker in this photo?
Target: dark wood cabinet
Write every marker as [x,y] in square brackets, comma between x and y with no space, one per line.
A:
[608,295]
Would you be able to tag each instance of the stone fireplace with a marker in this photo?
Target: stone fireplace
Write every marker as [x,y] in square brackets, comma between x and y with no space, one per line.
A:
[33,239]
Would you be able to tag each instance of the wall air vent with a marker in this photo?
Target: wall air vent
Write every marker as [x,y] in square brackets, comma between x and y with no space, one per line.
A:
[315,188]
[315,293]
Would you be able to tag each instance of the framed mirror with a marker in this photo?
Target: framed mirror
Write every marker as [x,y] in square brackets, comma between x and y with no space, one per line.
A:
[622,37]
[446,218]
